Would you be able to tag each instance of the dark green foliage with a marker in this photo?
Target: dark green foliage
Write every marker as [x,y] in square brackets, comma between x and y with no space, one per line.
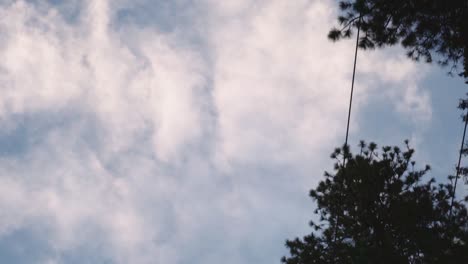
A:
[378,209]
[424,27]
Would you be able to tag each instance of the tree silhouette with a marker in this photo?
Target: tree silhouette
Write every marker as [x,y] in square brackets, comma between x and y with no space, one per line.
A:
[376,208]
[425,28]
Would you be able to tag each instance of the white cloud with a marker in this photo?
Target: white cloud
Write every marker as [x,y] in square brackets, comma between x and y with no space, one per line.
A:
[163,151]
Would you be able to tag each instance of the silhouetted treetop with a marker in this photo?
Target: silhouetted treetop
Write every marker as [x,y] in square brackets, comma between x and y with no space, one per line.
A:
[377,208]
[424,27]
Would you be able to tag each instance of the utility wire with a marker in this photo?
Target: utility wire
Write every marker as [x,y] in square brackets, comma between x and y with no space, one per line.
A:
[464,133]
[458,166]
[352,84]
[349,110]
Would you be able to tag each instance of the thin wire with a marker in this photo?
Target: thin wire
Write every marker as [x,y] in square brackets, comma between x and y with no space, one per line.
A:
[349,109]
[352,82]
[458,166]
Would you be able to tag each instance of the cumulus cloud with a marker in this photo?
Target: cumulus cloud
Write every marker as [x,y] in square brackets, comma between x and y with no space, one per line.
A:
[144,147]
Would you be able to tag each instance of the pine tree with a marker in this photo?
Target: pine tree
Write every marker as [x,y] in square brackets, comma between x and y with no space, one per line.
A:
[425,28]
[376,208]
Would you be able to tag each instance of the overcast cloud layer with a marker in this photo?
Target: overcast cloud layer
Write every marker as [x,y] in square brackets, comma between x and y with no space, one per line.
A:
[174,132]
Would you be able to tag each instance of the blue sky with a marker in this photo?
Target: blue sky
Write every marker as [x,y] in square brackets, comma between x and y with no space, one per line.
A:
[190,131]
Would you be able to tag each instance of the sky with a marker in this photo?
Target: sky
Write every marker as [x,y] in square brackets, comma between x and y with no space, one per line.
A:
[190,131]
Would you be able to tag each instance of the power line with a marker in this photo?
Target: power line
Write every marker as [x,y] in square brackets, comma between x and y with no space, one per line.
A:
[349,112]
[352,84]
[458,166]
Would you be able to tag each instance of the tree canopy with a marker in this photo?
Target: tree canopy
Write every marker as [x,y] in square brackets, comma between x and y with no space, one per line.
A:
[426,28]
[377,208]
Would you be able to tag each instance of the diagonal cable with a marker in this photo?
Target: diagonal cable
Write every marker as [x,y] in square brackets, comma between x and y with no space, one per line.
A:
[458,165]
